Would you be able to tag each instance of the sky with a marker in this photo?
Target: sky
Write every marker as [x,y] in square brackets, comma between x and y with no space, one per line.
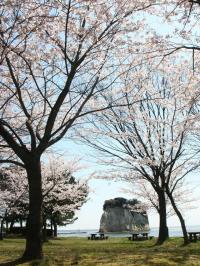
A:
[100,190]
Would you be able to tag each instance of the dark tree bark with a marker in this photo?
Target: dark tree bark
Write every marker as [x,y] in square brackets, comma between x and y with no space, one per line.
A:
[11,225]
[163,229]
[51,221]
[44,230]
[21,223]
[1,229]
[182,221]
[7,225]
[33,248]
[2,224]
[55,230]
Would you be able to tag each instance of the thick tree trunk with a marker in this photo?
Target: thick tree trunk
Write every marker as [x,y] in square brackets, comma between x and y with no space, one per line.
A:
[1,229]
[55,230]
[7,226]
[163,229]
[51,221]
[11,225]
[178,213]
[34,241]
[44,230]
[51,226]
[21,223]
[2,224]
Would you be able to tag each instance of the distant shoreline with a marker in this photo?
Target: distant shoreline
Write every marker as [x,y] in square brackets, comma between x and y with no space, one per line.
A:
[173,232]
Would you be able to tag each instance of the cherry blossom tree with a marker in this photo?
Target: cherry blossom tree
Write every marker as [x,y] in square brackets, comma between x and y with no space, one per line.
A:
[13,194]
[57,59]
[62,194]
[149,140]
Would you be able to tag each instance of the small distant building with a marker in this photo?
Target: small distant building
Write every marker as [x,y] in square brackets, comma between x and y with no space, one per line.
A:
[122,215]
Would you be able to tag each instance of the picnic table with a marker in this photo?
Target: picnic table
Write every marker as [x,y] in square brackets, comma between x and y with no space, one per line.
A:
[139,236]
[101,235]
[94,236]
[194,236]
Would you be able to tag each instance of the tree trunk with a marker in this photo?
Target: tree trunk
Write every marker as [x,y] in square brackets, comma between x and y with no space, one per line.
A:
[11,225]
[1,230]
[21,223]
[34,241]
[7,225]
[44,230]
[51,221]
[163,229]
[51,226]
[55,231]
[178,213]
[2,224]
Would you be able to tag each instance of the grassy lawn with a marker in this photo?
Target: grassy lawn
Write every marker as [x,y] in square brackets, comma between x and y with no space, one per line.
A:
[114,251]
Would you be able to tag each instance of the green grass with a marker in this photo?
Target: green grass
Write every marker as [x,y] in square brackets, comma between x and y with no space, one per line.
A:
[112,252]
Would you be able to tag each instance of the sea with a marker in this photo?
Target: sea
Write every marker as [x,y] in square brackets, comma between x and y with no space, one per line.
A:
[173,232]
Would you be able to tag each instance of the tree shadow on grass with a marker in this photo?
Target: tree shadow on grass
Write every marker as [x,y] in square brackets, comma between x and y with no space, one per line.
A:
[20,261]
[14,262]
